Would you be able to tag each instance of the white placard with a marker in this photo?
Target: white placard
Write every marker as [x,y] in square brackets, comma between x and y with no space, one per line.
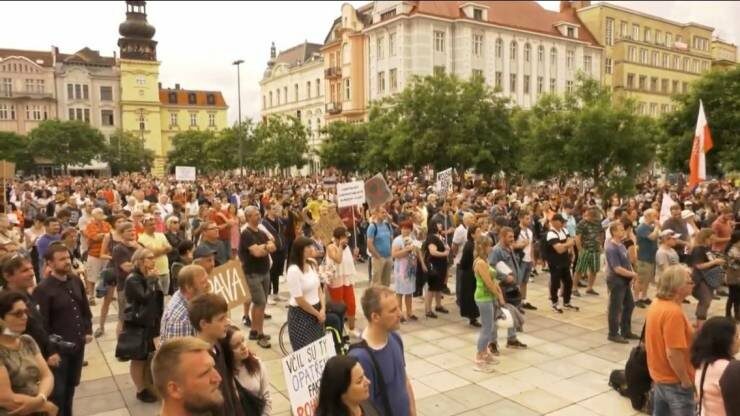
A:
[350,194]
[302,370]
[444,180]
[185,173]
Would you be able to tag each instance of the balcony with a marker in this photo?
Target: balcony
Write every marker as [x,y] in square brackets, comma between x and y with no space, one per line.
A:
[333,72]
[334,107]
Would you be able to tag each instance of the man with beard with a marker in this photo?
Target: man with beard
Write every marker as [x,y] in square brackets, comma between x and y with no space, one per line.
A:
[64,312]
[186,379]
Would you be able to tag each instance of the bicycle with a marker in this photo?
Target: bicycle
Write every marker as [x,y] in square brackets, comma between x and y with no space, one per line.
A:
[341,342]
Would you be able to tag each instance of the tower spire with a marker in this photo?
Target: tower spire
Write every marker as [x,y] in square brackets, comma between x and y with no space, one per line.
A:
[136,41]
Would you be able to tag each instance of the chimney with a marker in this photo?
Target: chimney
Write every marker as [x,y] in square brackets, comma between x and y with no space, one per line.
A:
[54,54]
[177,86]
[564,5]
[159,85]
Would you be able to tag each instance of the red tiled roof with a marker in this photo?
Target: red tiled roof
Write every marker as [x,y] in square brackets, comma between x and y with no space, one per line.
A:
[200,98]
[34,56]
[524,15]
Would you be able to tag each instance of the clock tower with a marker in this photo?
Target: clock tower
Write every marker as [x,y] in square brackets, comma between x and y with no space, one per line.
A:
[140,105]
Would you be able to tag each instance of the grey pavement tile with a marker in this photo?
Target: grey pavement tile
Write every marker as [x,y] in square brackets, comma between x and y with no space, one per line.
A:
[472,396]
[96,387]
[88,406]
[439,405]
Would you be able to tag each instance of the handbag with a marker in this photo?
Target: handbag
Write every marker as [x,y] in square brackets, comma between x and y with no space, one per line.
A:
[131,343]
[251,403]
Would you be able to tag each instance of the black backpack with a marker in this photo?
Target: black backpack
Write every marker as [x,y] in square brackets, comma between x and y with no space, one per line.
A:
[637,374]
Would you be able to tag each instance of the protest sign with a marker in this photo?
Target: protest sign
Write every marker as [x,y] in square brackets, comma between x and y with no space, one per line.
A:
[328,221]
[444,181]
[7,169]
[350,194]
[302,370]
[185,173]
[377,192]
[228,281]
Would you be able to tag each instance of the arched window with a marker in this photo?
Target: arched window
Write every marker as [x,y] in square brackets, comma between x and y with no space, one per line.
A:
[512,51]
[553,57]
[527,52]
[541,54]
[499,48]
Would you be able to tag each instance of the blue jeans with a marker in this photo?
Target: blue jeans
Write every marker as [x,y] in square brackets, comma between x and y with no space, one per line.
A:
[488,330]
[621,305]
[672,400]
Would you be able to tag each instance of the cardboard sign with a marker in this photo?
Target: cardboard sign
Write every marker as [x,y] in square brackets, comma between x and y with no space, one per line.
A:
[324,228]
[444,181]
[302,370]
[350,194]
[228,281]
[7,169]
[377,192]
[185,173]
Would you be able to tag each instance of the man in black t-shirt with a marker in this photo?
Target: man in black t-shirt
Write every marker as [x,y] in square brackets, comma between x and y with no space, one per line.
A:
[558,251]
[255,248]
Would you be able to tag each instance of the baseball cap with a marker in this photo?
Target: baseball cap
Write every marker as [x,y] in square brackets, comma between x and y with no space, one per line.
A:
[203,251]
[669,234]
[687,213]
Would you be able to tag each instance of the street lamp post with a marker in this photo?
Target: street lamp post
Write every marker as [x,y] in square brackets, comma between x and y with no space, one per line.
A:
[239,107]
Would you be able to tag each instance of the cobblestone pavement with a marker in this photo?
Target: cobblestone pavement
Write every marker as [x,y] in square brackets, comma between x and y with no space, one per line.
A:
[564,372]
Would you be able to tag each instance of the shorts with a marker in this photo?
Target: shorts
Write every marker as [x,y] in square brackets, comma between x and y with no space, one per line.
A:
[94,266]
[645,272]
[588,261]
[259,287]
[382,269]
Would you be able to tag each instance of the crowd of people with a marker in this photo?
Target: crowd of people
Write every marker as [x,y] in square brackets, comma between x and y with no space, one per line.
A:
[149,244]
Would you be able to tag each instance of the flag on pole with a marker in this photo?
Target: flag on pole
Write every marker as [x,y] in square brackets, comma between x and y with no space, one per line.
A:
[665,207]
[702,145]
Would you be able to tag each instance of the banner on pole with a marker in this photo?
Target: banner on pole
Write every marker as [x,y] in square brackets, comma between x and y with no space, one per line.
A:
[228,281]
[302,370]
[185,173]
[444,181]
[665,207]
[350,194]
[377,192]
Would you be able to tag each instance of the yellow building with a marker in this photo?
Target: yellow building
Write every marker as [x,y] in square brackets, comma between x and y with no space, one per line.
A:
[184,110]
[146,109]
[724,54]
[646,57]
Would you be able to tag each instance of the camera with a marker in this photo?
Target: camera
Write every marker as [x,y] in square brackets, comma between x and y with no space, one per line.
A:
[60,345]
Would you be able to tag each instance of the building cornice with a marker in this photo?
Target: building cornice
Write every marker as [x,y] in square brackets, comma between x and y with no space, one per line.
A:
[649,16]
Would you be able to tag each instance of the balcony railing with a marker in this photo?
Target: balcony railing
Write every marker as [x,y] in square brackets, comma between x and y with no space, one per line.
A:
[334,107]
[333,72]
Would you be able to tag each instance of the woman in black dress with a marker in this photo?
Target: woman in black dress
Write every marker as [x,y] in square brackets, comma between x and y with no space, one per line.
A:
[468,308]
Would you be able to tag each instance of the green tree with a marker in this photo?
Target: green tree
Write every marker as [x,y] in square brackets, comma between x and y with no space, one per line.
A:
[66,142]
[719,91]
[281,143]
[344,146]
[586,133]
[223,150]
[126,153]
[189,149]
[14,148]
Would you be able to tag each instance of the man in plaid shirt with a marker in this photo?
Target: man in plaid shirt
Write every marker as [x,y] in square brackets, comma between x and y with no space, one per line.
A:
[192,281]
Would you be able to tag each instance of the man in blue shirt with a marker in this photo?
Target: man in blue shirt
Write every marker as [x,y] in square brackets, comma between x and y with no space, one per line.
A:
[52,226]
[619,275]
[647,245]
[381,354]
[379,238]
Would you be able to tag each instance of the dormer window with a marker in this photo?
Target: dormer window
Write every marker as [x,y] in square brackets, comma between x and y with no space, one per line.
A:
[191,98]
[571,32]
[211,99]
[172,98]
[478,14]
[567,29]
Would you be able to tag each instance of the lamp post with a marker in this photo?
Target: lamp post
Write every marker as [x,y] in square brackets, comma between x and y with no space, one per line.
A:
[239,107]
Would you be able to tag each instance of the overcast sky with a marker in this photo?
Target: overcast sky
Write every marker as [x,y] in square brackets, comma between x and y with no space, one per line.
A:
[198,40]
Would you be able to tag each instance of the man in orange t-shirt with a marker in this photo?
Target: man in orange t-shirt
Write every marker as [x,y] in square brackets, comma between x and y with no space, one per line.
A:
[668,337]
[95,231]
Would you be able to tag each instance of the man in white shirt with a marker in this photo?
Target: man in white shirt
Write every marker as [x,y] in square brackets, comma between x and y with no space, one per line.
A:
[523,247]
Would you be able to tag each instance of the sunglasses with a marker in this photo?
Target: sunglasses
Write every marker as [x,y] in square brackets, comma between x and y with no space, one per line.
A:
[19,313]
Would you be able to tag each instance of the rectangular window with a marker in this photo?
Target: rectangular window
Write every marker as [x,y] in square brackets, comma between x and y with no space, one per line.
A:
[3,112]
[609,32]
[78,91]
[87,115]
[664,108]
[648,35]
[685,87]
[211,120]
[381,82]
[392,44]
[439,41]
[608,65]
[71,114]
[641,108]
[106,93]
[676,63]
[570,57]
[635,32]
[295,90]
[346,89]
[477,73]
[438,70]
[666,60]
[379,47]
[664,86]
[631,81]
[477,45]
[70,91]
[654,84]
[78,114]
[512,83]
[568,87]
[173,119]
[499,80]
[643,56]
[571,32]
[308,89]
[658,37]
[525,79]
[668,39]
[393,79]
[318,87]
[695,66]
[643,82]
[7,87]
[192,98]
[540,85]
[674,87]
[655,59]
[106,117]
[29,85]
[193,119]
[653,109]
[85,92]
[632,54]
[478,14]
[553,85]
[587,64]
[623,29]
[499,48]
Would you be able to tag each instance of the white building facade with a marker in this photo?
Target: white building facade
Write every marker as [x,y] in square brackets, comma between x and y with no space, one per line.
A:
[407,39]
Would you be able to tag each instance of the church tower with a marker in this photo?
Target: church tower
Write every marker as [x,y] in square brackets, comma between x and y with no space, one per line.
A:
[140,104]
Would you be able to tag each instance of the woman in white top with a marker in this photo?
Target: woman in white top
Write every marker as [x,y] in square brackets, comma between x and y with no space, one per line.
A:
[248,372]
[307,308]
[341,282]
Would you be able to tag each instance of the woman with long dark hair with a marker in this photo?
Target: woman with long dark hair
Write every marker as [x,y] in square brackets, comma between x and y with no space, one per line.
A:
[466,297]
[344,389]
[248,373]
[307,308]
[712,351]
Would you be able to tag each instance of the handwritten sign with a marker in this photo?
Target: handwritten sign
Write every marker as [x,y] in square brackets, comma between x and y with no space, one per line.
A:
[350,194]
[377,192]
[324,228]
[302,370]
[7,169]
[444,181]
[228,281]
[185,173]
